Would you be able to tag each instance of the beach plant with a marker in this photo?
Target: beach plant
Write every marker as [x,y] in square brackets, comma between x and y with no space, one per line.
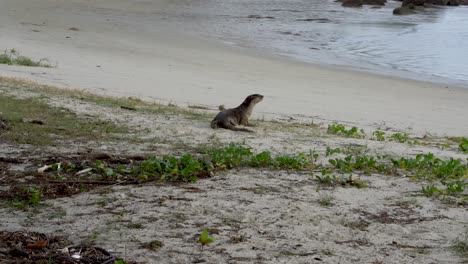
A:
[339,171]
[231,156]
[379,135]
[205,238]
[332,181]
[354,182]
[454,187]
[28,196]
[326,200]
[12,57]
[427,166]
[154,245]
[295,162]
[339,129]
[400,137]
[171,168]
[463,146]
[460,245]
[329,151]
[262,159]
[326,180]
[430,190]
[356,150]
[350,163]
[101,167]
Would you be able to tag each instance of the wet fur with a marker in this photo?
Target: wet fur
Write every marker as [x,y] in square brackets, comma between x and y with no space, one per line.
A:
[230,118]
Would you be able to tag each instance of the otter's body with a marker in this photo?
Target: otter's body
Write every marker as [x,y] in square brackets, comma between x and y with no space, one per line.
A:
[230,118]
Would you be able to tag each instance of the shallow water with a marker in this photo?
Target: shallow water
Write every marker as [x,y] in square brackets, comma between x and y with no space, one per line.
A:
[430,44]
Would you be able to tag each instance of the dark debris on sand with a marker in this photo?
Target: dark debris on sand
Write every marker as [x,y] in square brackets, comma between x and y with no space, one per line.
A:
[32,247]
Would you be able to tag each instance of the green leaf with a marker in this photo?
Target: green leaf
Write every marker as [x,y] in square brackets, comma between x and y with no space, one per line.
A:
[205,238]
[109,172]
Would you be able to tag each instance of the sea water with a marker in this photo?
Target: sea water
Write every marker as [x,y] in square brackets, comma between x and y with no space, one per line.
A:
[430,45]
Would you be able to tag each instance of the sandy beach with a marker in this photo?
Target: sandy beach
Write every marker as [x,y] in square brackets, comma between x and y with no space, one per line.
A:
[122,49]
[79,167]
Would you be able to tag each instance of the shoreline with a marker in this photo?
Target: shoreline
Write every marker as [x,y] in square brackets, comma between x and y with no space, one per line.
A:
[348,64]
[105,57]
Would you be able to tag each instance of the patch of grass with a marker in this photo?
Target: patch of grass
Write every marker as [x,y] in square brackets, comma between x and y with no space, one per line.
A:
[32,121]
[135,225]
[461,245]
[326,200]
[339,129]
[332,181]
[12,57]
[58,212]
[28,196]
[154,245]
[405,203]
[108,101]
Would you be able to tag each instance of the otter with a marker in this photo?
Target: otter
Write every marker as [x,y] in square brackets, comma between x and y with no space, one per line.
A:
[230,118]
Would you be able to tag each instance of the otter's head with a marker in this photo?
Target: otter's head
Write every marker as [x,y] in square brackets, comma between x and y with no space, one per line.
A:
[253,99]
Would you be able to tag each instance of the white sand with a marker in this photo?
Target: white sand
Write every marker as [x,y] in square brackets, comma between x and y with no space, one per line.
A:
[256,215]
[138,55]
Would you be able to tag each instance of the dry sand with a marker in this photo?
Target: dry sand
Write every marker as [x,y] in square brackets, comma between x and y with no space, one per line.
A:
[256,215]
[127,48]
